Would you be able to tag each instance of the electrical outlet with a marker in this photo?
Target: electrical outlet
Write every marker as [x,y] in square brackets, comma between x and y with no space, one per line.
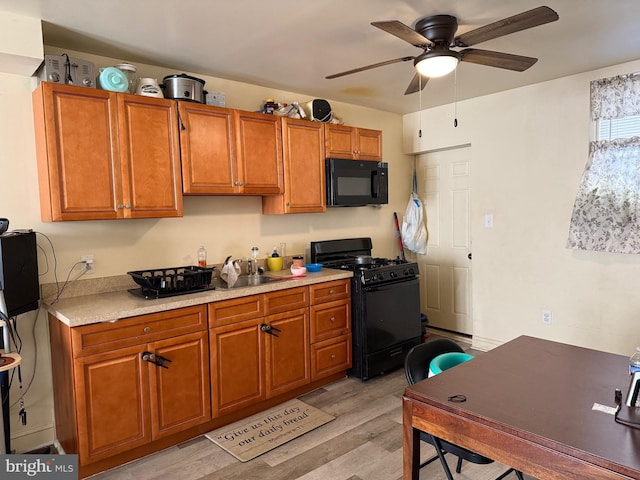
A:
[546,317]
[88,260]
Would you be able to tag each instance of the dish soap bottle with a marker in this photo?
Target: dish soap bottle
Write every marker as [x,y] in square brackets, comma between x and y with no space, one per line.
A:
[202,256]
[275,252]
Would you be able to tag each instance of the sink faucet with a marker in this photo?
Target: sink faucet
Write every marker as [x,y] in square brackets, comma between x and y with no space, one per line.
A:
[250,266]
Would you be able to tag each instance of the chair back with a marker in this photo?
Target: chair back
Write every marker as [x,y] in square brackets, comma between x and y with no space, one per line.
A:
[416,363]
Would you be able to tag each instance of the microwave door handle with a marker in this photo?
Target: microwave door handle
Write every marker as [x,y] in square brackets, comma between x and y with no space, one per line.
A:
[375,185]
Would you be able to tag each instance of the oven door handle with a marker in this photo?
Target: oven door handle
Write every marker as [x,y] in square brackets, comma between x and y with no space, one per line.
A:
[388,285]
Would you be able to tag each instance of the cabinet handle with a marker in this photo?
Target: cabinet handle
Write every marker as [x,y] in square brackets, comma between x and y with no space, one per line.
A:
[270,329]
[240,184]
[157,360]
[146,329]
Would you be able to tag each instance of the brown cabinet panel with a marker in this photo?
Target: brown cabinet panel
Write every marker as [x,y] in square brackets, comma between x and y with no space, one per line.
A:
[330,319]
[100,337]
[105,155]
[237,376]
[150,157]
[304,176]
[180,393]
[235,310]
[285,300]
[207,142]
[354,143]
[287,352]
[330,291]
[330,356]
[77,151]
[259,148]
[340,141]
[113,403]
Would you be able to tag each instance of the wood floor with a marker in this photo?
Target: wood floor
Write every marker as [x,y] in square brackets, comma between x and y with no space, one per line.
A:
[364,442]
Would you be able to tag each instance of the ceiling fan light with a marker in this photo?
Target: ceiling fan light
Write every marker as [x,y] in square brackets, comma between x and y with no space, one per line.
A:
[436,65]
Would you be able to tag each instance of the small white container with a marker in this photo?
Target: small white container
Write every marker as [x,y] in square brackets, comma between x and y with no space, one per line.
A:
[149,87]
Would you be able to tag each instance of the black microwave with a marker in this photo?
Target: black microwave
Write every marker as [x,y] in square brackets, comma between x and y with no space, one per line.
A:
[353,183]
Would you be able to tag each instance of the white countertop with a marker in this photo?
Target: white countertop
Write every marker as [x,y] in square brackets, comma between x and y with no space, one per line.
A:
[113,306]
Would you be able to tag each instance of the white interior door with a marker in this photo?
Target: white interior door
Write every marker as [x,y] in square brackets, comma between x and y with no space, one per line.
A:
[444,187]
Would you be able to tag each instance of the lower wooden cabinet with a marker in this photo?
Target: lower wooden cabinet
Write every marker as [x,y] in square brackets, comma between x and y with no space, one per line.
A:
[111,400]
[126,389]
[254,360]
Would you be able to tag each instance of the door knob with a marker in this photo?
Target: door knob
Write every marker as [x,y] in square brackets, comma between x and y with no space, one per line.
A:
[469,255]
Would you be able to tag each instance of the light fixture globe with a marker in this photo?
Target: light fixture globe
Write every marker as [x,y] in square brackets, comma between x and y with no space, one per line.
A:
[436,63]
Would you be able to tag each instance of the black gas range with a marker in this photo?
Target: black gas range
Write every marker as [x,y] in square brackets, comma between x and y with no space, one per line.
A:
[385,303]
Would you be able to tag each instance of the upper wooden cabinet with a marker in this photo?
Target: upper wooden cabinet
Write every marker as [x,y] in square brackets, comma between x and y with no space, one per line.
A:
[355,143]
[304,177]
[226,151]
[105,155]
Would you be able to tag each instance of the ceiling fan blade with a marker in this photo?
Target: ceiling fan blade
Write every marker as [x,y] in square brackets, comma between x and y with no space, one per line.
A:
[516,23]
[490,58]
[369,67]
[416,85]
[403,32]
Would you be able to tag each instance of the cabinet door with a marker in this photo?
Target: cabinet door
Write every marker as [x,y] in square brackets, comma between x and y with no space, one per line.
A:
[180,393]
[150,157]
[77,151]
[340,141]
[112,403]
[207,143]
[237,376]
[259,148]
[287,351]
[369,144]
[304,177]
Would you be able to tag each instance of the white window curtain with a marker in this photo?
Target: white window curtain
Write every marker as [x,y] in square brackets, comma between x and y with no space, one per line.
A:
[606,211]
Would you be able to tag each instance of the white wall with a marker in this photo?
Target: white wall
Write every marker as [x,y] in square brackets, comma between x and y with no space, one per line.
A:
[225,225]
[529,148]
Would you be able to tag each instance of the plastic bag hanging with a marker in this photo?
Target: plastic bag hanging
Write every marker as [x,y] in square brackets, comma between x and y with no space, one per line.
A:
[414,231]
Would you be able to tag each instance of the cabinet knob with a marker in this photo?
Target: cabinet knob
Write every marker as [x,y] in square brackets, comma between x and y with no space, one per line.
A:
[146,329]
[127,205]
[333,356]
[120,206]
[331,292]
[240,184]
[333,319]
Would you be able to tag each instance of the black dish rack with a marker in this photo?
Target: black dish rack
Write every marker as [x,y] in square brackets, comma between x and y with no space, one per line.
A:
[167,282]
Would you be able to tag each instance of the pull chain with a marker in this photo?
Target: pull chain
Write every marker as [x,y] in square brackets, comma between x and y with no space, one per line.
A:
[420,110]
[455,98]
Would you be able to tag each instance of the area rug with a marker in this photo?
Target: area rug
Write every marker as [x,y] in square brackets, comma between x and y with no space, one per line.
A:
[255,435]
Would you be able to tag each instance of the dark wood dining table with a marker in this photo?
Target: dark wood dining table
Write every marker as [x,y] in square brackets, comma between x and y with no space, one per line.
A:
[532,404]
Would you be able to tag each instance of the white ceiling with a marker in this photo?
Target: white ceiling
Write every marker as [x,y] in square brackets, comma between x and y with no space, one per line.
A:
[292,45]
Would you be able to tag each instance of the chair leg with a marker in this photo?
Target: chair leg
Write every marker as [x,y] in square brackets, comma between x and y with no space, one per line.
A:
[517,472]
[459,465]
[445,467]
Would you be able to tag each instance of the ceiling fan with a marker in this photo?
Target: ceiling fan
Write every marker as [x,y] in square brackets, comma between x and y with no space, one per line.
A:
[435,35]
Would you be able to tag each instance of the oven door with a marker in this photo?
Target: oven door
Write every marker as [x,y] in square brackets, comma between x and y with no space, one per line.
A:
[392,314]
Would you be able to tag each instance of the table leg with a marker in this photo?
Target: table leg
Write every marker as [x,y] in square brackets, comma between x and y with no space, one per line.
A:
[410,444]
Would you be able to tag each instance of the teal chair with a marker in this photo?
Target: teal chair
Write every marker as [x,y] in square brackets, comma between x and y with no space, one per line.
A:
[437,356]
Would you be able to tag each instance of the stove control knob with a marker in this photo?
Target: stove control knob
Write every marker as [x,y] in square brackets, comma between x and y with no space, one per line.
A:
[393,274]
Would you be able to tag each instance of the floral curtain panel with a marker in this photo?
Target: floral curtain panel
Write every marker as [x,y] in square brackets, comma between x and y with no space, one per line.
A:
[605,214]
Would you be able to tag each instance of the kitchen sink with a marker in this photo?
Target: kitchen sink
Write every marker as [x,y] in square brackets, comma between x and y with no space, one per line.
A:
[244,281]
